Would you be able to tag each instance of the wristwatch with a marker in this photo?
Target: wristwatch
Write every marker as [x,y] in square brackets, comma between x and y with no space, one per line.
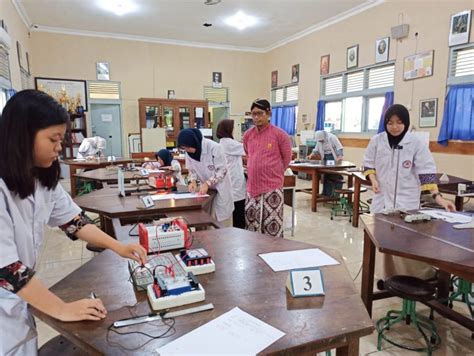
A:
[434,195]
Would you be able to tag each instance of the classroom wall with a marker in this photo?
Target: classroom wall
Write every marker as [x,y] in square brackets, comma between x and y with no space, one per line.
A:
[18,32]
[430,19]
[149,69]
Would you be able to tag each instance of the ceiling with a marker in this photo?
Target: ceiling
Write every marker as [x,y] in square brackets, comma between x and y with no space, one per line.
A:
[181,21]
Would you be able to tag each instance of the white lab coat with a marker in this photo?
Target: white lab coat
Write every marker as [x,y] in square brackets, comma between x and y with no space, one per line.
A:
[213,164]
[330,145]
[175,166]
[415,159]
[233,152]
[87,148]
[22,223]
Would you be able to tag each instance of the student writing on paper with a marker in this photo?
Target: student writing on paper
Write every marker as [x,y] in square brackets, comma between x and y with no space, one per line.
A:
[165,161]
[91,148]
[396,157]
[205,161]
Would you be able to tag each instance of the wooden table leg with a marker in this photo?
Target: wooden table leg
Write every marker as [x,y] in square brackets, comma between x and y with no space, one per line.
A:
[444,281]
[72,171]
[351,349]
[315,191]
[355,206]
[459,203]
[350,183]
[368,266]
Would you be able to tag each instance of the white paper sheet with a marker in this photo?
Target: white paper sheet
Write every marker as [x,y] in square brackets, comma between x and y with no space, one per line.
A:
[178,196]
[447,216]
[235,332]
[284,261]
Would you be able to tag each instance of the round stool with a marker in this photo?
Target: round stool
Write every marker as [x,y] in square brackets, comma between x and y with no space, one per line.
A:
[411,290]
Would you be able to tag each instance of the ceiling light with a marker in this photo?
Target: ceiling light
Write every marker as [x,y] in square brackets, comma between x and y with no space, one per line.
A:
[118,7]
[241,20]
[211,2]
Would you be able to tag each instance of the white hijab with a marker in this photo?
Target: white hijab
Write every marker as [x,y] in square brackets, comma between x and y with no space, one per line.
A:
[322,139]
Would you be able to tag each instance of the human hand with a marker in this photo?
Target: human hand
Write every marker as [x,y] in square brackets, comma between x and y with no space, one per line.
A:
[446,204]
[203,189]
[83,309]
[133,251]
[375,186]
[192,187]
[339,158]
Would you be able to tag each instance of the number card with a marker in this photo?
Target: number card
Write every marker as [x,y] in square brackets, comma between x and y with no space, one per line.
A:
[305,282]
[148,201]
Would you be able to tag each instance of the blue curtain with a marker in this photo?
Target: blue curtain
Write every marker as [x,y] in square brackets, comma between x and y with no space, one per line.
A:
[10,93]
[458,117]
[284,117]
[321,110]
[388,102]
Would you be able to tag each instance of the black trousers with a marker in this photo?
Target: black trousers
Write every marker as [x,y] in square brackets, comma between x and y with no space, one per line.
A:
[238,216]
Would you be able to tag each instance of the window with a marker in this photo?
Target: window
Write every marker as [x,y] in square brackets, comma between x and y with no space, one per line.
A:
[285,95]
[355,99]
[461,65]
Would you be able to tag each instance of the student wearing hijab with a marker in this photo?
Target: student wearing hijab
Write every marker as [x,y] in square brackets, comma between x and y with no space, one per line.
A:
[328,148]
[233,152]
[205,161]
[165,161]
[397,158]
[91,147]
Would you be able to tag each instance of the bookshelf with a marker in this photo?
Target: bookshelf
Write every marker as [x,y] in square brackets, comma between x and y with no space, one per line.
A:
[76,131]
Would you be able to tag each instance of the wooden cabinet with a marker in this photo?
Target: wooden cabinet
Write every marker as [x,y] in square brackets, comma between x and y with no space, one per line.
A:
[76,131]
[173,115]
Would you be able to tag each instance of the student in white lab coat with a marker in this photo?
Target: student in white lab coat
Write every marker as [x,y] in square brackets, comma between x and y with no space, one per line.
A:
[205,161]
[165,161]
[397,158]
[328,148]
[31,130]
[90,147]
[233,152]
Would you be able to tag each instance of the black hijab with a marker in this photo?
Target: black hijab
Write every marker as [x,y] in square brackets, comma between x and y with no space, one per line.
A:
[404,116]
[191,138]
[165,155]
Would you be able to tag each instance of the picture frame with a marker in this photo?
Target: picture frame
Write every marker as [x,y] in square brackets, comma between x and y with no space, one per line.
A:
[70,93]
[352,59]
[382,49]
[295,73]
[428,112]
[21,57]
[460,28]
[103,71]
[28,62]
[324,64]
[418,65]
[217,79]
[171,94]
[274,79]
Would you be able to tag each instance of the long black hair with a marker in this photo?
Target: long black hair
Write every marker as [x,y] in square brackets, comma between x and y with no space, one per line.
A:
[24,115]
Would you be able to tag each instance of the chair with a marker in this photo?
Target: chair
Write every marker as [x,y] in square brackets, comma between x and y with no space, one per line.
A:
[411,290]
[463,294]
[344,206]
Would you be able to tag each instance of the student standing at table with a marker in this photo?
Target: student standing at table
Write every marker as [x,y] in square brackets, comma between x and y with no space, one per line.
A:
[205,161]
[32,128]
[165,161]
[233,152]
[397,158]
[269,152]
[91,148]
[328,148]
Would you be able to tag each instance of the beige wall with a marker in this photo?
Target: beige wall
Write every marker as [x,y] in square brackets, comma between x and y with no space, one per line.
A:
[431,19]
[149,69]
[18,32]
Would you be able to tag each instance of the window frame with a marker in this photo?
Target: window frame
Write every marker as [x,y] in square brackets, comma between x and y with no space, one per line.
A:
[285,102]
[365,93]
[451,79]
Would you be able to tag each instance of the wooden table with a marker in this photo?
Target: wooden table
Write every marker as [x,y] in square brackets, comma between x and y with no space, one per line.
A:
[314,168]
[74,165]
[436,243]
[106,175]
[242,279]
[109,205]
[450,187]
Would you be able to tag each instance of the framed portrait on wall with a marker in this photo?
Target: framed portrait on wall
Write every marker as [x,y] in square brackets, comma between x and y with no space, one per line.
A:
[382,49]
[460,28]
[428,111]
[21,56]
[274,79]
[217,79]
[418,65]
[70,93]
[103,71]
[171,94]
[324,65]
[295,73]
[352,60]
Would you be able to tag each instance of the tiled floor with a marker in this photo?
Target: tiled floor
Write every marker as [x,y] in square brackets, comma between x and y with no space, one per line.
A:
[60,256]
